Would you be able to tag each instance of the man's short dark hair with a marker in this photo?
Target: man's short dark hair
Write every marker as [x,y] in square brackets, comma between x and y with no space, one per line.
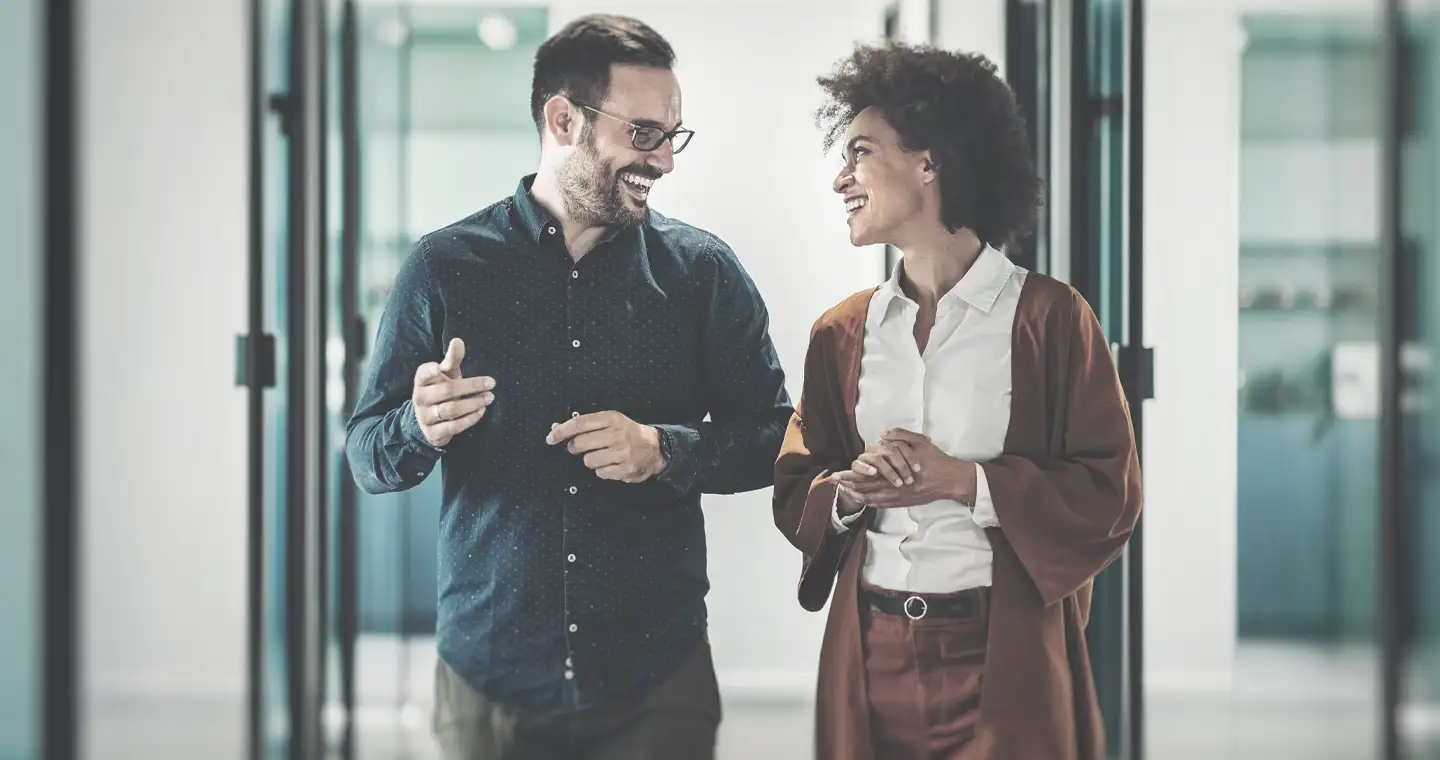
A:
[957,107]
[576,61]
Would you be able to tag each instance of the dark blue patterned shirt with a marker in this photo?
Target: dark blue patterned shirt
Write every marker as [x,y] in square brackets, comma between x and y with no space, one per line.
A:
[558,590]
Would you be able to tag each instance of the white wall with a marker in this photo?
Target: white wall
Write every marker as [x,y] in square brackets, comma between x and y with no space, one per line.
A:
[755,175]
[972,26]
[1192,235]
[163,270]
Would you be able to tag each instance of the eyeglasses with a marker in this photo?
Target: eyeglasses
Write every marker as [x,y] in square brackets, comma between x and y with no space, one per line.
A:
[647,138]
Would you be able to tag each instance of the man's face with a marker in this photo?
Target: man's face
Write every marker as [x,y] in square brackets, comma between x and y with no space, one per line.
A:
[606,180]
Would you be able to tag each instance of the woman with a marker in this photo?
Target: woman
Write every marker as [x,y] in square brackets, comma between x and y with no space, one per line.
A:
[961,464]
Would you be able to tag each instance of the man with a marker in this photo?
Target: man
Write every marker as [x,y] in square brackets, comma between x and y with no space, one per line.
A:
[560,352]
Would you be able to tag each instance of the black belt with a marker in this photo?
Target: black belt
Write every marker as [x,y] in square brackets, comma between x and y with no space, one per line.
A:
[916,607]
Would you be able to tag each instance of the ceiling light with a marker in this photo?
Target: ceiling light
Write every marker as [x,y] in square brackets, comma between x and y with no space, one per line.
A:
[497,32]
[392,32]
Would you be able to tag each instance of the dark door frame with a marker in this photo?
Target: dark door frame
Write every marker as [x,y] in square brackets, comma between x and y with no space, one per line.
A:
[60,569]
[1027,54]
[1396,554]
[346,534]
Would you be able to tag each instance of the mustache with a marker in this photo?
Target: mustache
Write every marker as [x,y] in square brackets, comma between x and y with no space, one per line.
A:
[648,172]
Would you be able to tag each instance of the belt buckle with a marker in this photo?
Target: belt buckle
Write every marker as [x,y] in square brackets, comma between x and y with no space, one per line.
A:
[923,605]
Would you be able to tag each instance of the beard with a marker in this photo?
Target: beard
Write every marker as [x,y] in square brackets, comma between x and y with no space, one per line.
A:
[592,191]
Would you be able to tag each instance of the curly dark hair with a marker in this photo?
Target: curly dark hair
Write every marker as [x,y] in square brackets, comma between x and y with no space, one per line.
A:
[956,106]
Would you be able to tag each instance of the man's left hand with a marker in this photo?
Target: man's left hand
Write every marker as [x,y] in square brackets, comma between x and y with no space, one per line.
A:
[613,445]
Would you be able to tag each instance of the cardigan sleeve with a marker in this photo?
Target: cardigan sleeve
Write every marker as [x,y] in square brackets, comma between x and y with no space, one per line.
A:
[1069,516]
[804,496]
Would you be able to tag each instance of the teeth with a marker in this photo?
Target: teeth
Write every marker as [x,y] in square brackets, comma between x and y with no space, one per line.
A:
[855,204]
[636,179]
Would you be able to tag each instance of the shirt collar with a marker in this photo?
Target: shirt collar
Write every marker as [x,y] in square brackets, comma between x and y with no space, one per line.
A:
[980,287]
[534,219]
[539,226]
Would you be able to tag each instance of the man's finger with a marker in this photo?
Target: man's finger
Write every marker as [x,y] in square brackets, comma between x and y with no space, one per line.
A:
[615,472]
[428,374]
[454,354]
[602,458]
[585,423]
[451,410]
[452,428]
[450,390]
[596,440]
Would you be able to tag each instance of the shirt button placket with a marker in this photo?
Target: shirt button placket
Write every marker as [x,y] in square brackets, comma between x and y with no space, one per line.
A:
[573,627]
[570,559]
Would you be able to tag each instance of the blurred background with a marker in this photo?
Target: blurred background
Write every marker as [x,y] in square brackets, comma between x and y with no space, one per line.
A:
[206,201]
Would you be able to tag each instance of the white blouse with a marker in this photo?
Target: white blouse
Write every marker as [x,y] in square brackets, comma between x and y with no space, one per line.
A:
[958,393]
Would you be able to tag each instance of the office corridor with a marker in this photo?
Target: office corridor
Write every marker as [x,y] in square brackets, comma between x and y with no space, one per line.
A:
[1286,702]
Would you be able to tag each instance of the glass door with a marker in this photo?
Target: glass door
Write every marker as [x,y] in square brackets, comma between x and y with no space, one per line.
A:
[23,297]
[371,565]
[263,373]
[1104,261]
[1076,70]
[412,158]
[1263,140]
[281,360]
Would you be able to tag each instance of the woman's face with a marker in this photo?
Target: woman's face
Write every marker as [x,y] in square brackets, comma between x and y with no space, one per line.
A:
[884,187]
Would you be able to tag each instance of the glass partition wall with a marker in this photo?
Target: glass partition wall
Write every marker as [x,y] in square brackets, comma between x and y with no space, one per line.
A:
[435,126]
[38,686]
[1233,183]
[1253,190]
[21,61]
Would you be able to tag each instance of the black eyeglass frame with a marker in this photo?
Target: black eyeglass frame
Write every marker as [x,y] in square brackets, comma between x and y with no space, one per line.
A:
[662,136]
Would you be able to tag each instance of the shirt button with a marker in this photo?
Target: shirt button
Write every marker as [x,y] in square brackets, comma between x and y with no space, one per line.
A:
[574,627]
[573,415]
[569,675]
[574,274]
[575,343]
[571,558]
[574,490]
[569,662]
[551,230]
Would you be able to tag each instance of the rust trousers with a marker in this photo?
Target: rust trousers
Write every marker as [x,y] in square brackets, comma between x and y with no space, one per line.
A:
[923,678]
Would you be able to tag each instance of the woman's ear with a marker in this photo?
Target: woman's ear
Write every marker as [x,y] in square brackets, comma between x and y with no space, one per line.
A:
[930,170]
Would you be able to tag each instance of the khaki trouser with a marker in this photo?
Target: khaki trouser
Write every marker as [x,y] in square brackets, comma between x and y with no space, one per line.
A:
[676,721]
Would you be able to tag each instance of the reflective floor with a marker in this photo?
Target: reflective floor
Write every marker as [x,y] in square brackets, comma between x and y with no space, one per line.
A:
[1287,702]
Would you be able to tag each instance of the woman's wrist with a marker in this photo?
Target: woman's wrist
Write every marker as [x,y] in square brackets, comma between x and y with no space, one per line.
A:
[960,481]
[845,504]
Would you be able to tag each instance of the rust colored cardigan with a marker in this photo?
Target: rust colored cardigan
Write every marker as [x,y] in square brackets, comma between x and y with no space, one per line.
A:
[1067,493]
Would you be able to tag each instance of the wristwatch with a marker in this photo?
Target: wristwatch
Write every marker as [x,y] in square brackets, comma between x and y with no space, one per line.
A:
[667,447]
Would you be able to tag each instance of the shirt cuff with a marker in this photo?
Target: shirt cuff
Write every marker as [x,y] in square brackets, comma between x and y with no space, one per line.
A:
[682,444]
[983,513]
[837,523]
